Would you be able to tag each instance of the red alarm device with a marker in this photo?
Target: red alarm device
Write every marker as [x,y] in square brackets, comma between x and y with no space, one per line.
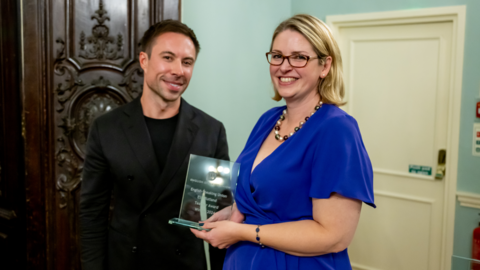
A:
[476,249]
[478,109]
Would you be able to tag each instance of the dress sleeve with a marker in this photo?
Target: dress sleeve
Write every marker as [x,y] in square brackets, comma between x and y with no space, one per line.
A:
[341,163]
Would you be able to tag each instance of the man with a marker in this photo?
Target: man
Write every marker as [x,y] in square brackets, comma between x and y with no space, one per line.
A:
[140,151]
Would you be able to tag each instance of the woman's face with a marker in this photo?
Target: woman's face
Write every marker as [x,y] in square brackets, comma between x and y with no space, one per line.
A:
[293,82]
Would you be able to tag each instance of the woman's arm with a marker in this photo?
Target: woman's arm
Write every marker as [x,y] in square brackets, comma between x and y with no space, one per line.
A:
[331,230]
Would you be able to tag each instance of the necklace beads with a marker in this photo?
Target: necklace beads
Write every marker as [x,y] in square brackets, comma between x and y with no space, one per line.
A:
[279,137]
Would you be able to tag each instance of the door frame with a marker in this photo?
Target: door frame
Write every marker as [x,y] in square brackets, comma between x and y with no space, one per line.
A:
[12,190]
[456,15]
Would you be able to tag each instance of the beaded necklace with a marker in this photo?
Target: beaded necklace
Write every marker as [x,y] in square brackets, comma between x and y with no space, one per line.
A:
[282,117]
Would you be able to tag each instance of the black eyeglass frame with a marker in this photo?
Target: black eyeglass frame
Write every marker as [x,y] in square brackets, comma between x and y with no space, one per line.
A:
[288,59]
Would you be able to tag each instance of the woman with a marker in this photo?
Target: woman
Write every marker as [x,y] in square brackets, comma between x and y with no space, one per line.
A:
[304,170]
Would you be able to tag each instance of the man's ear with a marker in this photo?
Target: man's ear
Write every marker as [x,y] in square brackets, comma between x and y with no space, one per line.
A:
[143,59]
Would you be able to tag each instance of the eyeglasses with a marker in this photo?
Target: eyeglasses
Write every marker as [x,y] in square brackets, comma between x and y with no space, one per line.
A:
[295,60]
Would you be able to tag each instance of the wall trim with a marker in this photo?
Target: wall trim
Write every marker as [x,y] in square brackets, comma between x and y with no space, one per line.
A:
[402,197]
[404,174]
[468,199]
[456,15]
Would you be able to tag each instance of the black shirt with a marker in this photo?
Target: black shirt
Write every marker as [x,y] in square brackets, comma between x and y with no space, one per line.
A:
[161,133]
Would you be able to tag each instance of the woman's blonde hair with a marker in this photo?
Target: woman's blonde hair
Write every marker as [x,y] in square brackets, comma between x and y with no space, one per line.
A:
[331,88]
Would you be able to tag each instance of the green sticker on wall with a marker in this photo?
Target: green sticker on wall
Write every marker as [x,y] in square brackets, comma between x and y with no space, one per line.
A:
[418,169]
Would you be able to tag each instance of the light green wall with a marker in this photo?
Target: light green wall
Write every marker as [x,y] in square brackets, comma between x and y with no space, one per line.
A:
[231,79]
[466,219]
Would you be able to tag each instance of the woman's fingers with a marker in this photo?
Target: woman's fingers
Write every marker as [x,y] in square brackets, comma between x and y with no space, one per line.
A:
[213,218]
[223,214]
[220,234]
[209,225]
[203,233]
[197,233]
[237,217]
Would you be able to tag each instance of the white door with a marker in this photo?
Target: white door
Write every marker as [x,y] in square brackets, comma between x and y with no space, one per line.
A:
[398,80]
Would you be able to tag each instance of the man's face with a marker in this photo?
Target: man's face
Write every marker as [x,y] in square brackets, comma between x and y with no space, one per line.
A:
[169,69]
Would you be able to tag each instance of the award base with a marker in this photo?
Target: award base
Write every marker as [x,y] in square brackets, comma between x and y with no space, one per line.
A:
[186,223]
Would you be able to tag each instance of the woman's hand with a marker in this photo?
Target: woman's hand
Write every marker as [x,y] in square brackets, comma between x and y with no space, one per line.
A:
[236,216]
[223,214]
[222,235]
[223,232]
[227,213]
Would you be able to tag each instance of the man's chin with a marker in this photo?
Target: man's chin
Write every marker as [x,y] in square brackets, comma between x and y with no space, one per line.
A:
[168,95]
[173,96]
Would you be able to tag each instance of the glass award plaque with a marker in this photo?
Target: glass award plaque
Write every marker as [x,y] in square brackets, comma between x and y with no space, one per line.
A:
[209,187]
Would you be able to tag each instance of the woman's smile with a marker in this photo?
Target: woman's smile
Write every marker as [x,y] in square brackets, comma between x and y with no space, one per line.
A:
[287,80]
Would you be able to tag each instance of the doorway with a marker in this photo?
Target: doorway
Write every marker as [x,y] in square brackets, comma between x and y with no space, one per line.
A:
[403,80]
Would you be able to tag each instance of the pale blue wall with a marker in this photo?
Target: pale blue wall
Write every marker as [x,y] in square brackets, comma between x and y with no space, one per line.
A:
[468,166]
[231,79]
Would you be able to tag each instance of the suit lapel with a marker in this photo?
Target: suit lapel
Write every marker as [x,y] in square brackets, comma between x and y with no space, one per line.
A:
[139,139]
[179,150]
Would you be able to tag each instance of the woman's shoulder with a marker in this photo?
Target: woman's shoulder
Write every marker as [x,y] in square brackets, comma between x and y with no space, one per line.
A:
[336,118]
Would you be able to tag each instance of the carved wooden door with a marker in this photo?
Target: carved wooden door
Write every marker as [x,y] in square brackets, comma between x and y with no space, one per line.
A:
[89,56]
[12,191]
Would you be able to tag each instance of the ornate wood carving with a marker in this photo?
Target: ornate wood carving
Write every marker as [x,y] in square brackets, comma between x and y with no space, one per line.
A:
[69,180]
[82,63]
[100,40]
[92,104]
[88,27]
[61,50]
[85,104]
[71,80]
[133,81]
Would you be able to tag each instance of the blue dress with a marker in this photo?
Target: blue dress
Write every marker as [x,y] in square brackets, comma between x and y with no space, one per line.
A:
[326,155]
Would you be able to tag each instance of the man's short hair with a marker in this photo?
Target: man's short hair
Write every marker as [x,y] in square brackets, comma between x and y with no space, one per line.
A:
[166,26]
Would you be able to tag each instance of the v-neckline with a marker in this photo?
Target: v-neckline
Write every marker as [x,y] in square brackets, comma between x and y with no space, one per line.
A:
[252,169]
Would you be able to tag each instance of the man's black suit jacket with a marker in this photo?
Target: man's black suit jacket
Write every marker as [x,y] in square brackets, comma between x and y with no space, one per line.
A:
[120,157]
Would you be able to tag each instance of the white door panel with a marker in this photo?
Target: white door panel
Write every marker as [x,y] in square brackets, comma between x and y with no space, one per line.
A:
[398,83]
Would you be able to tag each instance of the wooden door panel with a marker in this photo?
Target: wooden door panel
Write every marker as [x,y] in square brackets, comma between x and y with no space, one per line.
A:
[12,195]
[82,62]
[94,46]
